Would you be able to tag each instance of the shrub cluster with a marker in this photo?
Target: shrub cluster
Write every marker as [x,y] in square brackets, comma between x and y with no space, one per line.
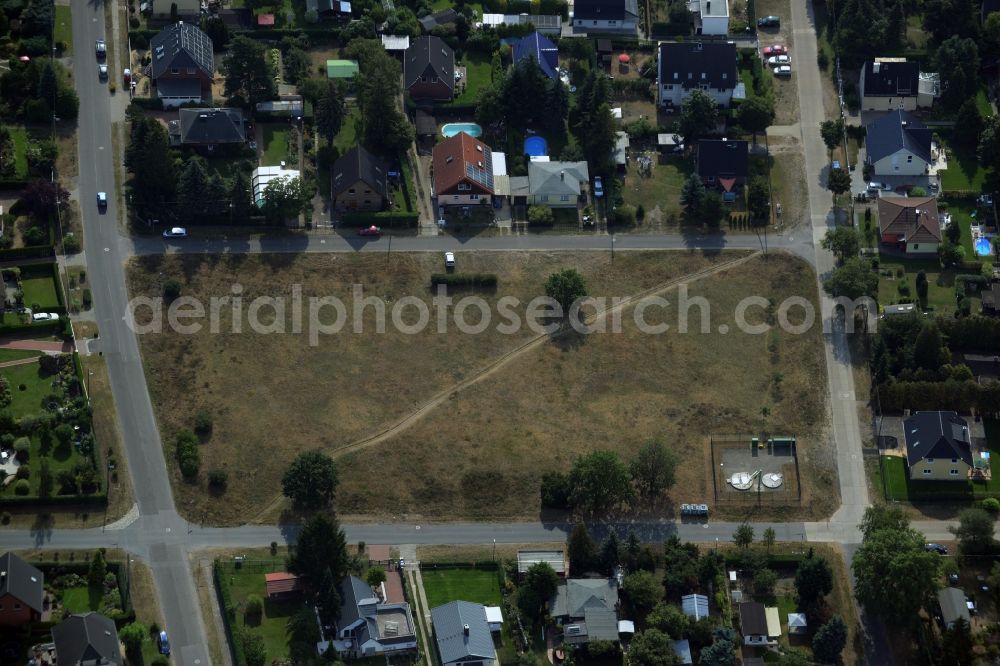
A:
[464,279]
[188,456]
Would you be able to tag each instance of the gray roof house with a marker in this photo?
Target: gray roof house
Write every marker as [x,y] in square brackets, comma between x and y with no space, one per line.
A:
[358,181]
[575,595]
[753,623]
[90,638]
[557,184]
[21,591]
[953,606]
[462,634]
[898,144]
[937,439]
[368,627]
[183,64]
[207,127]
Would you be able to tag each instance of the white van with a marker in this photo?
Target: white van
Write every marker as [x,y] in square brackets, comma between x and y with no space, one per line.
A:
[449,259]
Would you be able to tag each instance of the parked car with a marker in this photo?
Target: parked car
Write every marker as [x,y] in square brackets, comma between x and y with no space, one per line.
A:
[44,316]
[370,231]
[102,200]
[598,187]
[985,200]
[936,548]
[102,72]
[783,70]
[835,165]
[779,60]
[875,186]
[101,49]
[449,259]
[163,643]
[775,49]
[771,21]
[175,232]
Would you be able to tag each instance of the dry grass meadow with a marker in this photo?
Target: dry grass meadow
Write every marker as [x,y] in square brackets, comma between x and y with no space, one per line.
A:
[481,451]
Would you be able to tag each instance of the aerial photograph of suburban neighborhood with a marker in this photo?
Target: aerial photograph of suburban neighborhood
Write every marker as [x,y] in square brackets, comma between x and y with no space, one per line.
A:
[499,332]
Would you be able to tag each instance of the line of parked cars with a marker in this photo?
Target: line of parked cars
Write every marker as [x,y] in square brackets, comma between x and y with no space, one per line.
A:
[777,58]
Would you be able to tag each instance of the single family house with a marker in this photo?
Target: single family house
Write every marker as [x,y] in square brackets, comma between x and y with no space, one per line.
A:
[898,144]
[21,592]
[207,127]
[82,640]
[587,608]
[683,67]
[429,70]
[540,48]
[462,171]
[938,446]
[556,184]
[724,164]
[369,627]
[358,181]
[888,84]
[462,635]
[753,623]
[621,16]
[182,64]
[329,9]
[910,224]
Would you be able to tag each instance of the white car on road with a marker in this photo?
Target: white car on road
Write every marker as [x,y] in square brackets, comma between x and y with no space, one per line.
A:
[175,232]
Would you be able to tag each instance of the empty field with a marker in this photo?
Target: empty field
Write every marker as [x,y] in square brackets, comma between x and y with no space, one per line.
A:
[479,451]
[475,585]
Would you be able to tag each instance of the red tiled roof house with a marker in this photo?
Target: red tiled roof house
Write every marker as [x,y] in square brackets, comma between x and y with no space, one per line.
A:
[281,585]
[909,223]
[463,171]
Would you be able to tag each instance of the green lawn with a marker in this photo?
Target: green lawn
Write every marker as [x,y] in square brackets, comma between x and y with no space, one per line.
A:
[20,137]
[478,69]
[17,354]
[941,283]
[63,31]
[475,585]
[348,136]
[899,487]
[983,102]
[275,145]
[662,189]
[39,286]
[964,171]
[273,622]
[37,387]
[80,600]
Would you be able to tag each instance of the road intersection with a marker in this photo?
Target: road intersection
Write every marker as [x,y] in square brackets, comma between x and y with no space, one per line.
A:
[156,532]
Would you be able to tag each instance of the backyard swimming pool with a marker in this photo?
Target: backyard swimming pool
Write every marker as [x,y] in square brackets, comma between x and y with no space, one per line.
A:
[983,246]
[535,146]
[451,129]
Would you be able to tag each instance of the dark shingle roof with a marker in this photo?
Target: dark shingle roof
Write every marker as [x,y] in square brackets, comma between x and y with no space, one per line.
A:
[429,57]
[893,132]
[936,435]
[892,79]
[604,10]
[211,126]
[181,45]
[358,164]
[540,48]
[443,17]
[86,638]
[691,64]
[719,158]
[453,642]
[22,581]
[753,621]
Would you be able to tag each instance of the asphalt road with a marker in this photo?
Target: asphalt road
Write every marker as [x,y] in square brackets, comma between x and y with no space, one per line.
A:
[799,244]
[150,480]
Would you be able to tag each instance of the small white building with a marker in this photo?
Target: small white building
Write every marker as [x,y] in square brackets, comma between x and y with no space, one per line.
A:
[711,17]
[494,618]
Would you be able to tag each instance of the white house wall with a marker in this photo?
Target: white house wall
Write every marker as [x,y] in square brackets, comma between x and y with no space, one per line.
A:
[897,165]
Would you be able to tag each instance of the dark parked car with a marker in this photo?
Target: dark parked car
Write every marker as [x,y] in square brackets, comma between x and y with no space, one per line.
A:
[769,22]
[936,548]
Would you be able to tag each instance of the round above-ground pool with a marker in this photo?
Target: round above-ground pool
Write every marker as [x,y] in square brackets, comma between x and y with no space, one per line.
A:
[451,129]
[983,246]
[535,146]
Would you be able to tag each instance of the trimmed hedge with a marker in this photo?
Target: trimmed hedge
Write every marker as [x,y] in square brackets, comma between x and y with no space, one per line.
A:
[54,501]
[959,195]
[32,252]
[389,219]
[228,614]
[12,184]
[148,103]
[464,279]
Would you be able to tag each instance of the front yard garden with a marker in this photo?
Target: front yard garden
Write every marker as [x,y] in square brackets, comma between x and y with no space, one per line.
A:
[658,192]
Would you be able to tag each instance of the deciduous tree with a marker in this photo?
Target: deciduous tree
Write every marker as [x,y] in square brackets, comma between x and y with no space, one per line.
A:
[565,287]
[757,114]
[957,63]
[830,640]
[581,550]
[250,77]
[813,581]
[643,591]
[652,648]
[653,469]
[539,585]
[832,132]
[699,115]
[600,482]
[853,280]
[743,536]
[311,480]
[843,242]
[975,532]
